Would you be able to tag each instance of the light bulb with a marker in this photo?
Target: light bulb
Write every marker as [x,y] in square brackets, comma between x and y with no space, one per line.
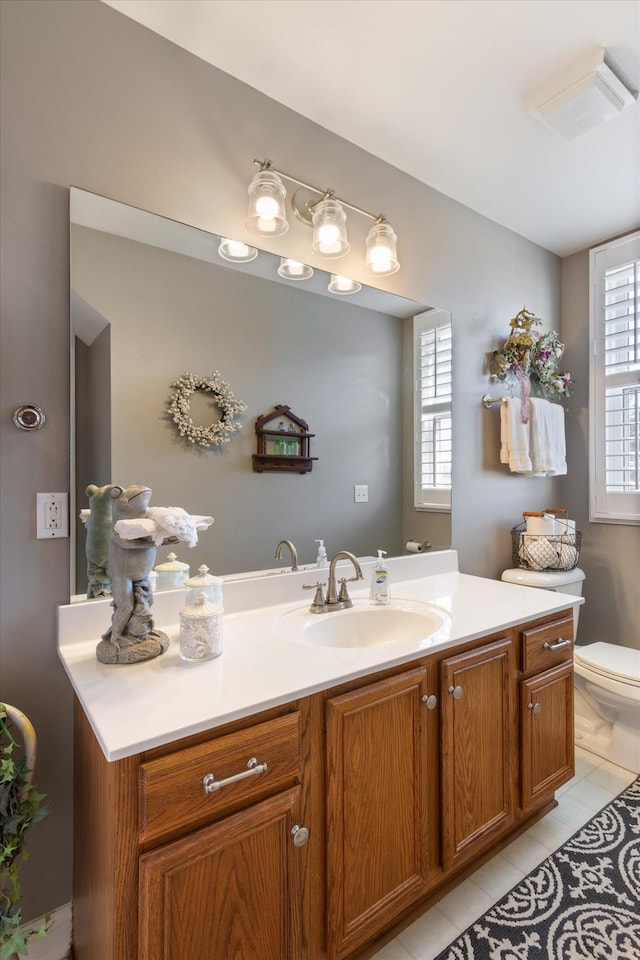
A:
[295,268]
[237,248]
[343,285]
[267,208]
[329,229]
[380,259]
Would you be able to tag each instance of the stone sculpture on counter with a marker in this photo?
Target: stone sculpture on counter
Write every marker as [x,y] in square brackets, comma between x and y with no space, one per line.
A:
[98,530]
[132,636]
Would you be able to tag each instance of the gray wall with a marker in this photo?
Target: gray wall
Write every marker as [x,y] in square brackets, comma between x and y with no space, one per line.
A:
[610,555]
[91,99]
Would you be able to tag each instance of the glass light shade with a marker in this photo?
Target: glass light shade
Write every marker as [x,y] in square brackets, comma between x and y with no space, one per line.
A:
[342,286]
[329,230]
[382,257]
[236,251]
[267,205]
[294,270]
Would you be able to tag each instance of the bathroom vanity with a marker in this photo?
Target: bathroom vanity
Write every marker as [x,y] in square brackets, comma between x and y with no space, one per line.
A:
[299,801]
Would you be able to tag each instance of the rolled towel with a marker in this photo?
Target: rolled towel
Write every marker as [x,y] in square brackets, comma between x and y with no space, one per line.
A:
[176,522]
[140,527]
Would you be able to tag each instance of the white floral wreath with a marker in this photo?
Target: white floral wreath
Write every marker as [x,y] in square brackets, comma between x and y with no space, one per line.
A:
[179,406]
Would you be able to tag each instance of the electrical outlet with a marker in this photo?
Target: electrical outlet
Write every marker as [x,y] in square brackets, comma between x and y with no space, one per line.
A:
[361,493]
[52,515]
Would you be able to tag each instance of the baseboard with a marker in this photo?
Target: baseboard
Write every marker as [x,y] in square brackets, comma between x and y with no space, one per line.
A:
[57,943]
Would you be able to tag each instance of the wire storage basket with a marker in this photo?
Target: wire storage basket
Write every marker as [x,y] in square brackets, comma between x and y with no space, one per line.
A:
[534,551]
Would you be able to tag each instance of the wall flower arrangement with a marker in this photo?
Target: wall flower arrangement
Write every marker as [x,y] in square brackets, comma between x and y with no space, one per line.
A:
[532,358]
[221,430]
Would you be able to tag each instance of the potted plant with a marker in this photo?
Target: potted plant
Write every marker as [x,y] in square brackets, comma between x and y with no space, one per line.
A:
[20,807]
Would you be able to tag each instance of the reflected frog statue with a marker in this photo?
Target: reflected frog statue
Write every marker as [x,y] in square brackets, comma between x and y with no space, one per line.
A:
[132,636]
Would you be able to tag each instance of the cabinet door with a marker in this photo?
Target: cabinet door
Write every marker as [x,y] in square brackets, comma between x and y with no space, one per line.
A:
[478,748]
[378,823]
[546,722]
[226,892]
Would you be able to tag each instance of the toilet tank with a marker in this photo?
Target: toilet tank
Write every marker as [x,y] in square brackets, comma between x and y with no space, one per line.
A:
[562,581]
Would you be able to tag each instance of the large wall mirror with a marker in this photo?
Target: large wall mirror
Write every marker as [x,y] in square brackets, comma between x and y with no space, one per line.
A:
[151,299]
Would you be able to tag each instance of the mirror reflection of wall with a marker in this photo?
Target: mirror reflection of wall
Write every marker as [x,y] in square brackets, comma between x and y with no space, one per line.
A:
[150,314]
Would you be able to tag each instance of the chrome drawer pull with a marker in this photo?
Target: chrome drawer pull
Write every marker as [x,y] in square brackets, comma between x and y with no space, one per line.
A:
[253,767]
[559,643]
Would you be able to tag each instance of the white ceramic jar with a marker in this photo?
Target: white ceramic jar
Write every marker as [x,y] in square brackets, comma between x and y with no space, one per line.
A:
[200,630]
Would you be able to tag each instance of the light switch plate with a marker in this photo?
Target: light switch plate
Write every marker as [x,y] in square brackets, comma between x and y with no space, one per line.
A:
[361,493]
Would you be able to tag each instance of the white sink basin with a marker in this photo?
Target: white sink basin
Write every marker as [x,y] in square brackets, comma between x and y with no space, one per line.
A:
[364,625]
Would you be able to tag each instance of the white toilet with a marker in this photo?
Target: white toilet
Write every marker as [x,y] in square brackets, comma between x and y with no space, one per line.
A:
[606,681]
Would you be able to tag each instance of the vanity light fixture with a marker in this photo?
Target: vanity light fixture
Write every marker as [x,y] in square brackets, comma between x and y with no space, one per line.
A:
[267,194]
[236,251]
[294,270]
[342,286]
[324,212]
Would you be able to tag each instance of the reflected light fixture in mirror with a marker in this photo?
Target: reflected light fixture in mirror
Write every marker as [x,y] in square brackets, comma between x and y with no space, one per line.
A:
[294,270]
[326,215]
[236,251]
[342,286]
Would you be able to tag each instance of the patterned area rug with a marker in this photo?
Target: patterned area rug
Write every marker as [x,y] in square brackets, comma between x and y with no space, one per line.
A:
[583,903]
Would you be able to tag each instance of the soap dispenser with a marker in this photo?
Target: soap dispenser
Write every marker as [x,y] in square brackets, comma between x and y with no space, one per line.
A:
[321,561]
[380,581]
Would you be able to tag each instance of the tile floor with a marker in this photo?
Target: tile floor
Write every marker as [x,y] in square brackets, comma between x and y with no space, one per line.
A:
[596,783]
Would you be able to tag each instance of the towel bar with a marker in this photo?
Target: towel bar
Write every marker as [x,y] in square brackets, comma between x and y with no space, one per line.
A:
[488,401]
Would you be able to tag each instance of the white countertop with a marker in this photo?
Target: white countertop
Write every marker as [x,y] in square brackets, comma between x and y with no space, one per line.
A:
[137,706]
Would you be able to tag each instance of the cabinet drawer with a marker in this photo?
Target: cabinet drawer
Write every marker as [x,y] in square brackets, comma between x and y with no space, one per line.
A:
[548,645]
[171,790]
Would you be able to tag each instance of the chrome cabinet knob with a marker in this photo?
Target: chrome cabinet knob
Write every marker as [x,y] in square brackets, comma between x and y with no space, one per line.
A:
[300,835]
[431,701]
[456,692]
[535,708]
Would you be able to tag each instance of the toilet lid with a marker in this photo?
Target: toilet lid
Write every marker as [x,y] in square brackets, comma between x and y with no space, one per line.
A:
[611,660]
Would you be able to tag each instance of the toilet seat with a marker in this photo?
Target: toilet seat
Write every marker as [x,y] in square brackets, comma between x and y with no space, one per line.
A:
[609,660]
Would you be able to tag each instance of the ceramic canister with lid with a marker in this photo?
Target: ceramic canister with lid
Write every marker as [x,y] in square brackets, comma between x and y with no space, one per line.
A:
[200,630]
[172,573]
[203,581]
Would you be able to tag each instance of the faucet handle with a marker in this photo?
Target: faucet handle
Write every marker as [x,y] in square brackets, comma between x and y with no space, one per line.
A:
[343,596]
[318,600]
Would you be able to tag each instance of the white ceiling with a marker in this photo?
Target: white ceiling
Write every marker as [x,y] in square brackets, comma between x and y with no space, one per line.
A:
[437,88]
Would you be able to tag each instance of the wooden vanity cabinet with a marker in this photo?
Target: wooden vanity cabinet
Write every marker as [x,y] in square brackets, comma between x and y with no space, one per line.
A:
[172,872]
[479,743]
[546,709]
[381,824]
[403,779]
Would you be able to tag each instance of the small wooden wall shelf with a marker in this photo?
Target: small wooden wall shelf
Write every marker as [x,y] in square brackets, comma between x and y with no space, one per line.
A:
[283,442]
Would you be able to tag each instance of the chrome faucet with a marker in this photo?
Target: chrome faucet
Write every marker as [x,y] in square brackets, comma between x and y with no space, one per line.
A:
[334,600]
[294,555]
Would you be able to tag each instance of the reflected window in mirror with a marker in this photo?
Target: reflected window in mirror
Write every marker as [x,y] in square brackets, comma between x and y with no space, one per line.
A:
[432,411]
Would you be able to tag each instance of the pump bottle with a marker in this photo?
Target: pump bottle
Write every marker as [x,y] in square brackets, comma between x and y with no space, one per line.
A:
[321,560]
[380,593]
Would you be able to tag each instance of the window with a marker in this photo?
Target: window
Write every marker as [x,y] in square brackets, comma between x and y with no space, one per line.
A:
[614,449]
[432,410]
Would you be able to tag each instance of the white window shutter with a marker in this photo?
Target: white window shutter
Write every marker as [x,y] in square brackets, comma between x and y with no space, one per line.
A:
[615,381]
[432,410]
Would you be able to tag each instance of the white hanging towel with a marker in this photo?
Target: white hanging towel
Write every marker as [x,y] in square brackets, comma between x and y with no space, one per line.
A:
[536,448]
[547,439]
[514,437]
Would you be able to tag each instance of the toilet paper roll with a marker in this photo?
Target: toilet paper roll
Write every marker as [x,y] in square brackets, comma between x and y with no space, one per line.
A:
[412,546]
